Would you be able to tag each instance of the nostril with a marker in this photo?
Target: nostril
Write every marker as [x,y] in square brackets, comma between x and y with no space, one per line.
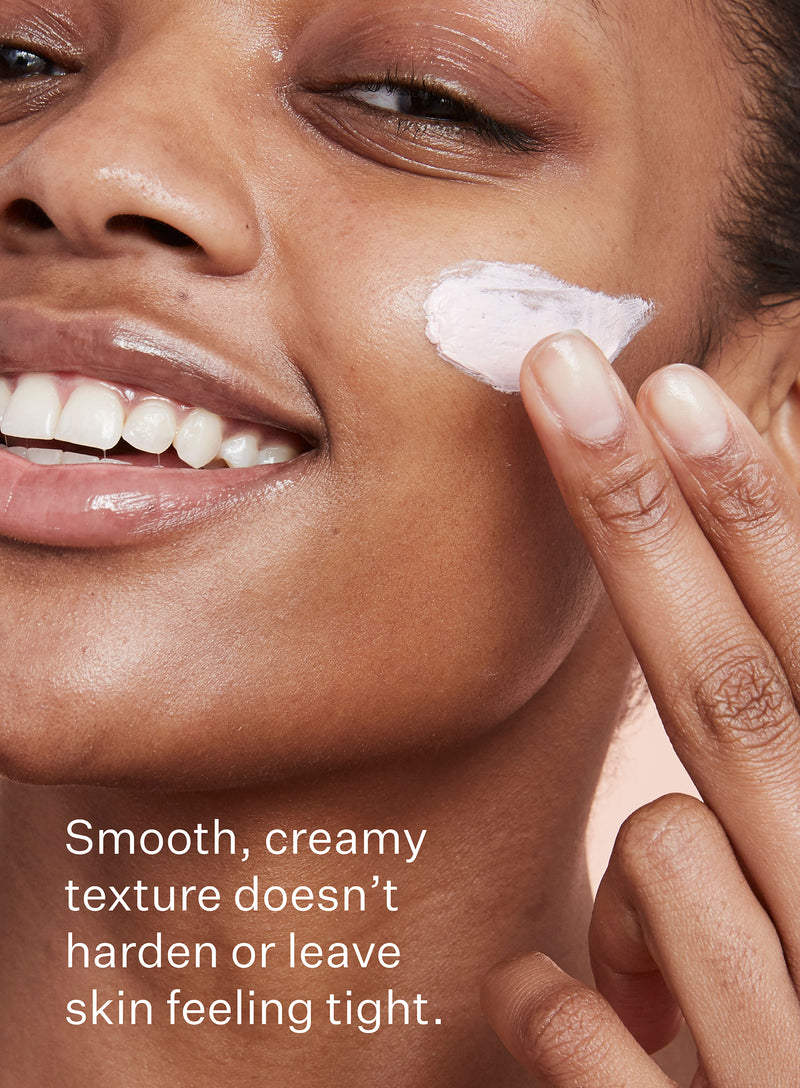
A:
[154,229]
[26,213]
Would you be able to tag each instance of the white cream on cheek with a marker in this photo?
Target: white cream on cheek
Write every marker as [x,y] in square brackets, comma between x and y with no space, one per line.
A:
[484,317]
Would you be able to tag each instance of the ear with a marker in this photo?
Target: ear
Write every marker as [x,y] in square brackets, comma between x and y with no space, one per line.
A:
[758,365]
[783,433]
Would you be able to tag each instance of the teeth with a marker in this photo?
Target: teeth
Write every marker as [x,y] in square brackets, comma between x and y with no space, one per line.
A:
[93,416]
[45,457]
[151,426]
[199,438]
[277,453]
[241,451]
[5,397]
[97,415]
[34,408]
[69,458]
[52,456]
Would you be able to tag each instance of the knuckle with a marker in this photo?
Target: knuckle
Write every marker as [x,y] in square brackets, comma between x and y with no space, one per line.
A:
[746,494]
[635,498]
[745,704]
[574,1023]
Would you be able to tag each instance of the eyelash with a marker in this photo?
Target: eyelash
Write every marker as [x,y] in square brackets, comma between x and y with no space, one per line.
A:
[466,116]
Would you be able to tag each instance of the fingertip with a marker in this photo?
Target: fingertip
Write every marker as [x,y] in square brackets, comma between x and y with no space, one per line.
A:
[554,1025]
[568,380]
[565,345]
[689,410]
[513,990]
[506,979]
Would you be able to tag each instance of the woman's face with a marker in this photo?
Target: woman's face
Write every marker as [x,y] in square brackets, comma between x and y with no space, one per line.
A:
[245,180]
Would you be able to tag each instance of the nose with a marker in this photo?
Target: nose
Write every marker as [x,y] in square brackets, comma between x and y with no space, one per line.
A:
[129,170]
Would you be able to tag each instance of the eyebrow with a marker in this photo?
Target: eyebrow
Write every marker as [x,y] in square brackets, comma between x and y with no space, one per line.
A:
[599,9]
[592,8]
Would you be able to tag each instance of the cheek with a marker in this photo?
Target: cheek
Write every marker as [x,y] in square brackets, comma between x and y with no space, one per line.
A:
[439,587]
[440,582]
[420,607]
[421,585]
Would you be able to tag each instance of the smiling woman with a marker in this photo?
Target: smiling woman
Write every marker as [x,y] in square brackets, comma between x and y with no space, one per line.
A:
[270,562]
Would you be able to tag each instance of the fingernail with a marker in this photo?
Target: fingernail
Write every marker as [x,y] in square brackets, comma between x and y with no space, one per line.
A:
[573,376]
[689,411]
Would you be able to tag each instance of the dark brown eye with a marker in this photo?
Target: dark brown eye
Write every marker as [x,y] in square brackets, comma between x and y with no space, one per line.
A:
[414,102]
[17,63]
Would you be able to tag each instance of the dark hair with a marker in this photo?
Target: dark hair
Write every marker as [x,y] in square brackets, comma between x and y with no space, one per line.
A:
[762,224]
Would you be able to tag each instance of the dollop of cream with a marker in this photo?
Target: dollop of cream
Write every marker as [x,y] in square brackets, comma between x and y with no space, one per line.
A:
[484,317]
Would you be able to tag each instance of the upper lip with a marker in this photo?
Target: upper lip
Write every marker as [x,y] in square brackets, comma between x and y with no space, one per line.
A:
[128,351]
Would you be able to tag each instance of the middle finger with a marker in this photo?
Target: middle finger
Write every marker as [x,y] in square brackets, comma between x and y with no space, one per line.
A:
[718,683]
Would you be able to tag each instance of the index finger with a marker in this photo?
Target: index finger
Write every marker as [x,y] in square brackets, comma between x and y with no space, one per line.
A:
[720,685]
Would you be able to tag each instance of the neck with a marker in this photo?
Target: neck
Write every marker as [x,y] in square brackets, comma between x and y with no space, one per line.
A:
[500,870]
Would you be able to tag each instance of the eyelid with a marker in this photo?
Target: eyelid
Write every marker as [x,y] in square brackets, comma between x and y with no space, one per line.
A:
[410,146]
[524,135]
[450,50]
[478,127]
[55,37]
[22,95]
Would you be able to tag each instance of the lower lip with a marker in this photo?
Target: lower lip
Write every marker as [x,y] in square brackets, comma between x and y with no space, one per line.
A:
[100,506]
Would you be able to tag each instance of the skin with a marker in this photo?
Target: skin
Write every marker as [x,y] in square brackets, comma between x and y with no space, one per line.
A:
[344,324]
[414,635]
[696,914]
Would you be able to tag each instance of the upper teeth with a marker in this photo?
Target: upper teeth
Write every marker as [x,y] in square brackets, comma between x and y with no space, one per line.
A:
[81,412]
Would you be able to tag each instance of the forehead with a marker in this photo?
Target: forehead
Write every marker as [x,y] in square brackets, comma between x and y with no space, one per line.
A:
[609,15]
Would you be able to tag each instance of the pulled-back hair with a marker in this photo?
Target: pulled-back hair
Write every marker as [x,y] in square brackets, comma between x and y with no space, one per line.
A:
[762,226]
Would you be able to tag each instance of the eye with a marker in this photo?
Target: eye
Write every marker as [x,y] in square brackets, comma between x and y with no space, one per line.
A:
[418,124]
[30,81]
[416,101]
[17,63]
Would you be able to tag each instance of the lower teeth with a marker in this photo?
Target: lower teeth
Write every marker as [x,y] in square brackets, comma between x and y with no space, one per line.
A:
[60,457]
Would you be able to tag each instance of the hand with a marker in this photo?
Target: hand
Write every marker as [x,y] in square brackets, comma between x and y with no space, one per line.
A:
[695,531]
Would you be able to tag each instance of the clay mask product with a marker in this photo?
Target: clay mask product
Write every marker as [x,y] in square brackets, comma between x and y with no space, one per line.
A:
[484,318]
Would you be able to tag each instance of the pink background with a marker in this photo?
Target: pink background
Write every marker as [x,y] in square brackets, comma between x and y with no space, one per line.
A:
[641,765]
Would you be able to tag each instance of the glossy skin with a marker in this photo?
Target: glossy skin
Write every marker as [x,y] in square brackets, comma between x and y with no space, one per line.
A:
[419,581]
[318,229]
